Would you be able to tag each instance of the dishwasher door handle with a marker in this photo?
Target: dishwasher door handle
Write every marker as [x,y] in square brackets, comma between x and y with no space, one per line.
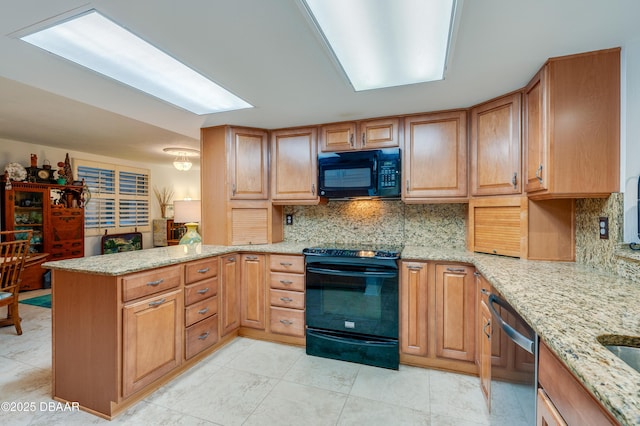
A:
[518,338]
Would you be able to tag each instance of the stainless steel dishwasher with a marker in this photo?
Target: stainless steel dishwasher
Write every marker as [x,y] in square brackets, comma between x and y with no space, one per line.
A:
[514,380]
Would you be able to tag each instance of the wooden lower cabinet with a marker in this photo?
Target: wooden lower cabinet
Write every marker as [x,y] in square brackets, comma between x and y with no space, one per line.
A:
[437,316]
[567,400]
[286,298]
[230,295]
[201,306]
[484,351]
[252,291]
[546,413]
[455,312]
[413,308]
[152,339]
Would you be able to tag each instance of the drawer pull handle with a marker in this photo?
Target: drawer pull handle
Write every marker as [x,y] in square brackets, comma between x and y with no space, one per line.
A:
[286,263]
[156,282]
[286,282]
[484,292]
[286,299]
[203,270]
[456,269]
[414,267]
[203,291]
[252,257]
[231,259]
[203,311]
[539,173]
[486,333]
[286,322]
[157,302]
[203,336]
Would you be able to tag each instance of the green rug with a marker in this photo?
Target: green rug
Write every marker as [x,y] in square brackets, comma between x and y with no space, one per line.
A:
[42,301]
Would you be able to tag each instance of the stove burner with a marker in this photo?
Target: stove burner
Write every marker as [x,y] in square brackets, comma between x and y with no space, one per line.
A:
[353,250]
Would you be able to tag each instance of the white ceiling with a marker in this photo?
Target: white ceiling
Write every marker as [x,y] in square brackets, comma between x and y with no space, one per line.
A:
[266,52]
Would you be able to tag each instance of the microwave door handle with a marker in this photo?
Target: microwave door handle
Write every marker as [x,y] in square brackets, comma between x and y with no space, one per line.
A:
[326,271]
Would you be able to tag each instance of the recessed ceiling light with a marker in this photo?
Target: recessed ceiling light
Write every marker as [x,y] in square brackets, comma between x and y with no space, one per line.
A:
[382,43]
[95,42]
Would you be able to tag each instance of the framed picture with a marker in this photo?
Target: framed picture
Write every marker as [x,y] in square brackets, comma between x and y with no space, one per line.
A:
[116,243]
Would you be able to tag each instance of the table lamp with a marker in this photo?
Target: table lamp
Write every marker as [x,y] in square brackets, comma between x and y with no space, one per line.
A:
[188,212]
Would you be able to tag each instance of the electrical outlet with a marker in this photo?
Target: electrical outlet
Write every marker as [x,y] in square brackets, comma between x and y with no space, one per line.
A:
[604,228]
[289,219]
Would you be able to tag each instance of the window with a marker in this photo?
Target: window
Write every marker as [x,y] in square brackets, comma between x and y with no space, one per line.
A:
[119,197]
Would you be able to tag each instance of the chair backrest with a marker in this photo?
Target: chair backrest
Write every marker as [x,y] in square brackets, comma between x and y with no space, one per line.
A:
[12,256]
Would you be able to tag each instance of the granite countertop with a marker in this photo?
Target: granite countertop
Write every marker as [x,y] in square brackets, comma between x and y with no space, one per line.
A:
[567,304]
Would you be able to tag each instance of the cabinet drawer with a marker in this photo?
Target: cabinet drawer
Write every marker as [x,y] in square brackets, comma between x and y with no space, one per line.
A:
[282,281]
[200,336]
[200,291]
[287,321]
[286,263]
[201,310]
[287,299]
[65,249]
[145,283]
[200,270]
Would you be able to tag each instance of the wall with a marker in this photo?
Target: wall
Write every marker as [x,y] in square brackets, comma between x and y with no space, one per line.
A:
[184,184]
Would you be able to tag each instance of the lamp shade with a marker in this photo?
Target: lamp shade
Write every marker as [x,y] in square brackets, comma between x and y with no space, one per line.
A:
[186,211]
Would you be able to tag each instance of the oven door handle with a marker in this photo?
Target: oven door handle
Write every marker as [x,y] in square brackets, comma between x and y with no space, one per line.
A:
[518,338]
[342,273]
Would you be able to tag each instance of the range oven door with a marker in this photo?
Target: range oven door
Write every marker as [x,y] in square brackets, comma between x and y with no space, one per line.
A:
[352,299]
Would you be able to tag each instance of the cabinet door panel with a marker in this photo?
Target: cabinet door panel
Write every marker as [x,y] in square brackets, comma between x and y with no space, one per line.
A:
[230,295]
[383,133]
[413,308]
[435,156]
[455,312]
[338,137]
[248,166]
[152,339]
[495,147]
[535,133]
[294,165]
[252,287]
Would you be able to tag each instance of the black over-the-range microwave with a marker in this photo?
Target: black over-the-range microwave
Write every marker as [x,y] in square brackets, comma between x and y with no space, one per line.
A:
[373,173]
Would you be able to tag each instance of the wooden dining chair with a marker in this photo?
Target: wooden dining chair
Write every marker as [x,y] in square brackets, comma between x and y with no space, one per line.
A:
[13,252]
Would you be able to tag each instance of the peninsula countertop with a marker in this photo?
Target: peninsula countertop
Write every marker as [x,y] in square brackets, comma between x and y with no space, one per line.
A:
[567,304]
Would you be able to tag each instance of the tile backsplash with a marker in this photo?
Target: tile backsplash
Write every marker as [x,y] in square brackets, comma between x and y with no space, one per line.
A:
[440,225]
[379,222]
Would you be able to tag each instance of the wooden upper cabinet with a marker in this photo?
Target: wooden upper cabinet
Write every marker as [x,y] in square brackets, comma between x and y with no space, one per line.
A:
[571,126]
[248,164]
[381,133]
[294,168]
[435,157]
[370,134]
[338,137]
[495,147]
[534,123]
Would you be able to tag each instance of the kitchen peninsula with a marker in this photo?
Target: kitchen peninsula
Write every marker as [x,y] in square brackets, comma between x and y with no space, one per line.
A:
[568,305]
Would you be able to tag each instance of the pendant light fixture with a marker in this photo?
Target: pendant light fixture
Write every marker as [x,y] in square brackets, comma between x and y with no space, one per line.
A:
[182,161]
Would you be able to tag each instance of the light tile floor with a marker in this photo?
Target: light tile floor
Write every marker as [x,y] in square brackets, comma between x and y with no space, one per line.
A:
[251,382]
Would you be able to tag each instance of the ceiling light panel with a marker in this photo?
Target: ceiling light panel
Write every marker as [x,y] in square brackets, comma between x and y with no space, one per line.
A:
[383,43]
[95,42]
